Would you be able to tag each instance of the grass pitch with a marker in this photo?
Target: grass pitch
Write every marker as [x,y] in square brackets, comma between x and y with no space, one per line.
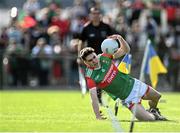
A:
[67,111]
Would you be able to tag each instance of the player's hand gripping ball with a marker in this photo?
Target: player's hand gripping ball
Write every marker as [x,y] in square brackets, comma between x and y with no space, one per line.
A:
[109,46]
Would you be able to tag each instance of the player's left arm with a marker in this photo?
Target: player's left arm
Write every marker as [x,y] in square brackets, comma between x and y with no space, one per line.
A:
[95,105]
[124,46]
[94,99]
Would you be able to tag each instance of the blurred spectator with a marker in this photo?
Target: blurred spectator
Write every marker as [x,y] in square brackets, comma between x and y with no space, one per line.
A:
[137,6]
[18,63]
[121,25]
[77,25]
[53,32]
[78,9]
[174,59]
[3,39]
[35,33]
[31,7]
[177,29]
[174,68]
[151,28]
[55,42]
[3,45]
[14,32]
[62,23]
[41,63]
[52,7]
[79,16]
[42,18]
[156,10]
[171,7]
[162,48]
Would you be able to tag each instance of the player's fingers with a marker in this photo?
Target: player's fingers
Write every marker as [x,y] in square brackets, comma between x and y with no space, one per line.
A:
[112,37]
[104,117]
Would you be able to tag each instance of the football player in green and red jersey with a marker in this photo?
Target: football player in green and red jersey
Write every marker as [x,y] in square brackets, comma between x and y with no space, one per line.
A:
[102,73]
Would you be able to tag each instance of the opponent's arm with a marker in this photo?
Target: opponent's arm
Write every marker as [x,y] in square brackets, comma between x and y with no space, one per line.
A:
[124,46]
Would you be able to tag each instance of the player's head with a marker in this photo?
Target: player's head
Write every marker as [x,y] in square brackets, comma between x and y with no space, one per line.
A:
[89,56]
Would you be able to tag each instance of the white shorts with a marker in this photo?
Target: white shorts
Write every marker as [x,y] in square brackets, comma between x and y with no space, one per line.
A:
[138,91]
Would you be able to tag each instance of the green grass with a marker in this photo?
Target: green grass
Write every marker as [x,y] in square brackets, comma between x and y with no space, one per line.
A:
[65,111]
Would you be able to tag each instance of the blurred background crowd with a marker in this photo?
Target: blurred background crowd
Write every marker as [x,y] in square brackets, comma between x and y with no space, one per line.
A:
[35,48]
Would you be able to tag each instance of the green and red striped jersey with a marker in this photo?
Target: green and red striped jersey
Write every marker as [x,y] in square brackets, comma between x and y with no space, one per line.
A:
[108,78]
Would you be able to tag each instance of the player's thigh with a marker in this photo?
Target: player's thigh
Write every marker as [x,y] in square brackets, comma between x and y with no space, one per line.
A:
[152,94]
[141,113]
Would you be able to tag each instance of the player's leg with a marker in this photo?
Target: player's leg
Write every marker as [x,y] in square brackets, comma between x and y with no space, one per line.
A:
[141,114]
[153,96]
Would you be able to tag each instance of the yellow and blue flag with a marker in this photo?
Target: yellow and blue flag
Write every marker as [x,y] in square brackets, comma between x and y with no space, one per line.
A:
[125,65]
[153,65]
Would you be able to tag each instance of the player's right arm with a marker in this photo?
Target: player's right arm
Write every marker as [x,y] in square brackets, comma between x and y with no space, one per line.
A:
[124,47]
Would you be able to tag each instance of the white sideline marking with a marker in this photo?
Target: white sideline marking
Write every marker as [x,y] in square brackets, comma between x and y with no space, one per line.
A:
[114,120]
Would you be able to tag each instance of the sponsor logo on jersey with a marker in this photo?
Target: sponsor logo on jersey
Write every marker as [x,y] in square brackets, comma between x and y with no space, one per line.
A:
[111,74]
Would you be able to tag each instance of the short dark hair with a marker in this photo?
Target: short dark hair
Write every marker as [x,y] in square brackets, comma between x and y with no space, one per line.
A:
[85,52]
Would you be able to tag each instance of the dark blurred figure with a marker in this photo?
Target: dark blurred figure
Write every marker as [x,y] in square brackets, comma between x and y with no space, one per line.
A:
[151,28]
[137,7]
[95,31]
[3,38]
[41,63]
[173,60]
[3,45]
[162,48]
[173,41]
[18,63]
[174,68]
[57,45]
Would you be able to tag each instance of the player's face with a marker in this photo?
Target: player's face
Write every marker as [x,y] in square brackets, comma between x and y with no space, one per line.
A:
[92,60]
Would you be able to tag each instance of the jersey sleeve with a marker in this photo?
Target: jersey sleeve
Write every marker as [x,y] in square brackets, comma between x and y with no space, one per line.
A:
[90,83]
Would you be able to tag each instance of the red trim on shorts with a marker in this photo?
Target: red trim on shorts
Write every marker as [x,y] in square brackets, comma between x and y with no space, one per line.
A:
[132,104]
[147,91]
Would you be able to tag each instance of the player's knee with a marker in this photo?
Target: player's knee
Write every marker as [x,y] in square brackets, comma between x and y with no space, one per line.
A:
[148,117]
[158,96]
